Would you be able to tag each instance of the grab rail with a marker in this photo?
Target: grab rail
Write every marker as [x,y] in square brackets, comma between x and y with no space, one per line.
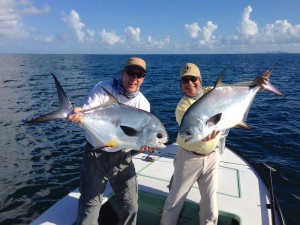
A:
[273,200]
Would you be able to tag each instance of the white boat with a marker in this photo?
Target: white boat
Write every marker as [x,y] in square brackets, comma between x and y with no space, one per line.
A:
[242,196]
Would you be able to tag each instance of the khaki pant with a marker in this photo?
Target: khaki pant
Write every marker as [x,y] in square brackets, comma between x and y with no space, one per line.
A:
[189,168]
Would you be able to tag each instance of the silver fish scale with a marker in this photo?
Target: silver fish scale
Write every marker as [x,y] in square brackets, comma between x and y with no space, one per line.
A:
[105,126]
[232,101]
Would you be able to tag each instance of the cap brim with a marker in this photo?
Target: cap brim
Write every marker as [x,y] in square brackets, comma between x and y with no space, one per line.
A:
[193,75]
[135,66]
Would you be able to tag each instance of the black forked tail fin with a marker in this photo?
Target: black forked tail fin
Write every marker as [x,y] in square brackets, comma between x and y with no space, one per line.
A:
[65,106]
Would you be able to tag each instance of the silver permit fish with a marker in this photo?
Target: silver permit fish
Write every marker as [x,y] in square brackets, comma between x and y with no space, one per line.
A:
[113,124]
[225,106]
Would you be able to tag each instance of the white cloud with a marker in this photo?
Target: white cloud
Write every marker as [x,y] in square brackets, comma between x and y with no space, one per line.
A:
[74,21]
[247,28]
[32,10]
[204,36]
[110,37]
[133,34]
[11,25]
[280,36]
[44,39]
[248,37]
[207,32]
[91,33]
[281,32]
[152,43]
[192,29]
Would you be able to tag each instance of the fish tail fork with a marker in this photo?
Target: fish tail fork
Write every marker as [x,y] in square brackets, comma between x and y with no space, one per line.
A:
[65,106]
[270,87]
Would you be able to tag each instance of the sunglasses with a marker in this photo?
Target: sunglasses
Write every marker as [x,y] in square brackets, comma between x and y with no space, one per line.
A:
[132,73]
[187,79]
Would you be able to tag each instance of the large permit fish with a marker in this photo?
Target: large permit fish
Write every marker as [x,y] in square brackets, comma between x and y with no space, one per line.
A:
[113,124]
[225,106]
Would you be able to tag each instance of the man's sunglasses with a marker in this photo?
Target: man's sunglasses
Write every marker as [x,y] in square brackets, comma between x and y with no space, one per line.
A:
[132,73]
[186,79]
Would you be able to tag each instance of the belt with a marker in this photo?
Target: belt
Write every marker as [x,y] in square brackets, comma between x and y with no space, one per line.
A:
[199,154]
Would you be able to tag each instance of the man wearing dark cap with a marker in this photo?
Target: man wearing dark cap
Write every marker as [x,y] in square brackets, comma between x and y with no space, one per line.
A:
[99,167]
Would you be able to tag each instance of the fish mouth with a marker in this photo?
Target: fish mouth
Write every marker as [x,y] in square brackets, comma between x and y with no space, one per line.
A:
[187,140]
[162,143]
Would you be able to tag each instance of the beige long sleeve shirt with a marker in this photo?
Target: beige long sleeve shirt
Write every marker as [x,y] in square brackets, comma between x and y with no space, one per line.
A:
[201,147]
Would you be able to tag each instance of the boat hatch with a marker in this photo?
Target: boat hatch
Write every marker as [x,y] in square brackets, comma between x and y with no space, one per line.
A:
[150,210]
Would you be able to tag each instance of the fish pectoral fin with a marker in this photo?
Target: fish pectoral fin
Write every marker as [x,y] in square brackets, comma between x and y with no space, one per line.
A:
[214,119]
[129,131]
[244,125]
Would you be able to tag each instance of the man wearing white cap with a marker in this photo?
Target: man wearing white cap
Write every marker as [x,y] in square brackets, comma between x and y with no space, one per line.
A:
[101,166]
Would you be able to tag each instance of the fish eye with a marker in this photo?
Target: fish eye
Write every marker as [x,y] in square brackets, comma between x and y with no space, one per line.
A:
[188,132]
[159,136]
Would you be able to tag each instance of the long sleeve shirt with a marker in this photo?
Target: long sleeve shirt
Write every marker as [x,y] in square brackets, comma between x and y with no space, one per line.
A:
[201,147]
[98,96]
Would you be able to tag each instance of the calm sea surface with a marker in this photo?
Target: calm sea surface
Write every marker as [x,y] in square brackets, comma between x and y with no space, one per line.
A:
[40,164]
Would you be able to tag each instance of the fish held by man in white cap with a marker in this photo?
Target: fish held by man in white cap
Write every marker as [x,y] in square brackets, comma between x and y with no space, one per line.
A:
[113,125]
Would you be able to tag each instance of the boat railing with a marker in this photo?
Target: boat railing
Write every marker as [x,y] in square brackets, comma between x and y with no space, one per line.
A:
[274,205]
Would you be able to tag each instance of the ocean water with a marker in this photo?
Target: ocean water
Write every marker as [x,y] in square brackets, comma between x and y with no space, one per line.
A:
[39,164]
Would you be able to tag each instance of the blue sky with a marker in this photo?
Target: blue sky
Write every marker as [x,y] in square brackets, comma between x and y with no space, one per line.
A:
[149,26]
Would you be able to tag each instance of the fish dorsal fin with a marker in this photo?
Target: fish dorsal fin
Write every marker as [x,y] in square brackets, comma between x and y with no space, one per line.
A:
[244,125]
[111,100]
[267,75]
[219,81]
[214,119]
[129,131]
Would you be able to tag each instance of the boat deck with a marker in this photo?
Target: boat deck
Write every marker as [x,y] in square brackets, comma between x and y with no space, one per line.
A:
[241,193]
